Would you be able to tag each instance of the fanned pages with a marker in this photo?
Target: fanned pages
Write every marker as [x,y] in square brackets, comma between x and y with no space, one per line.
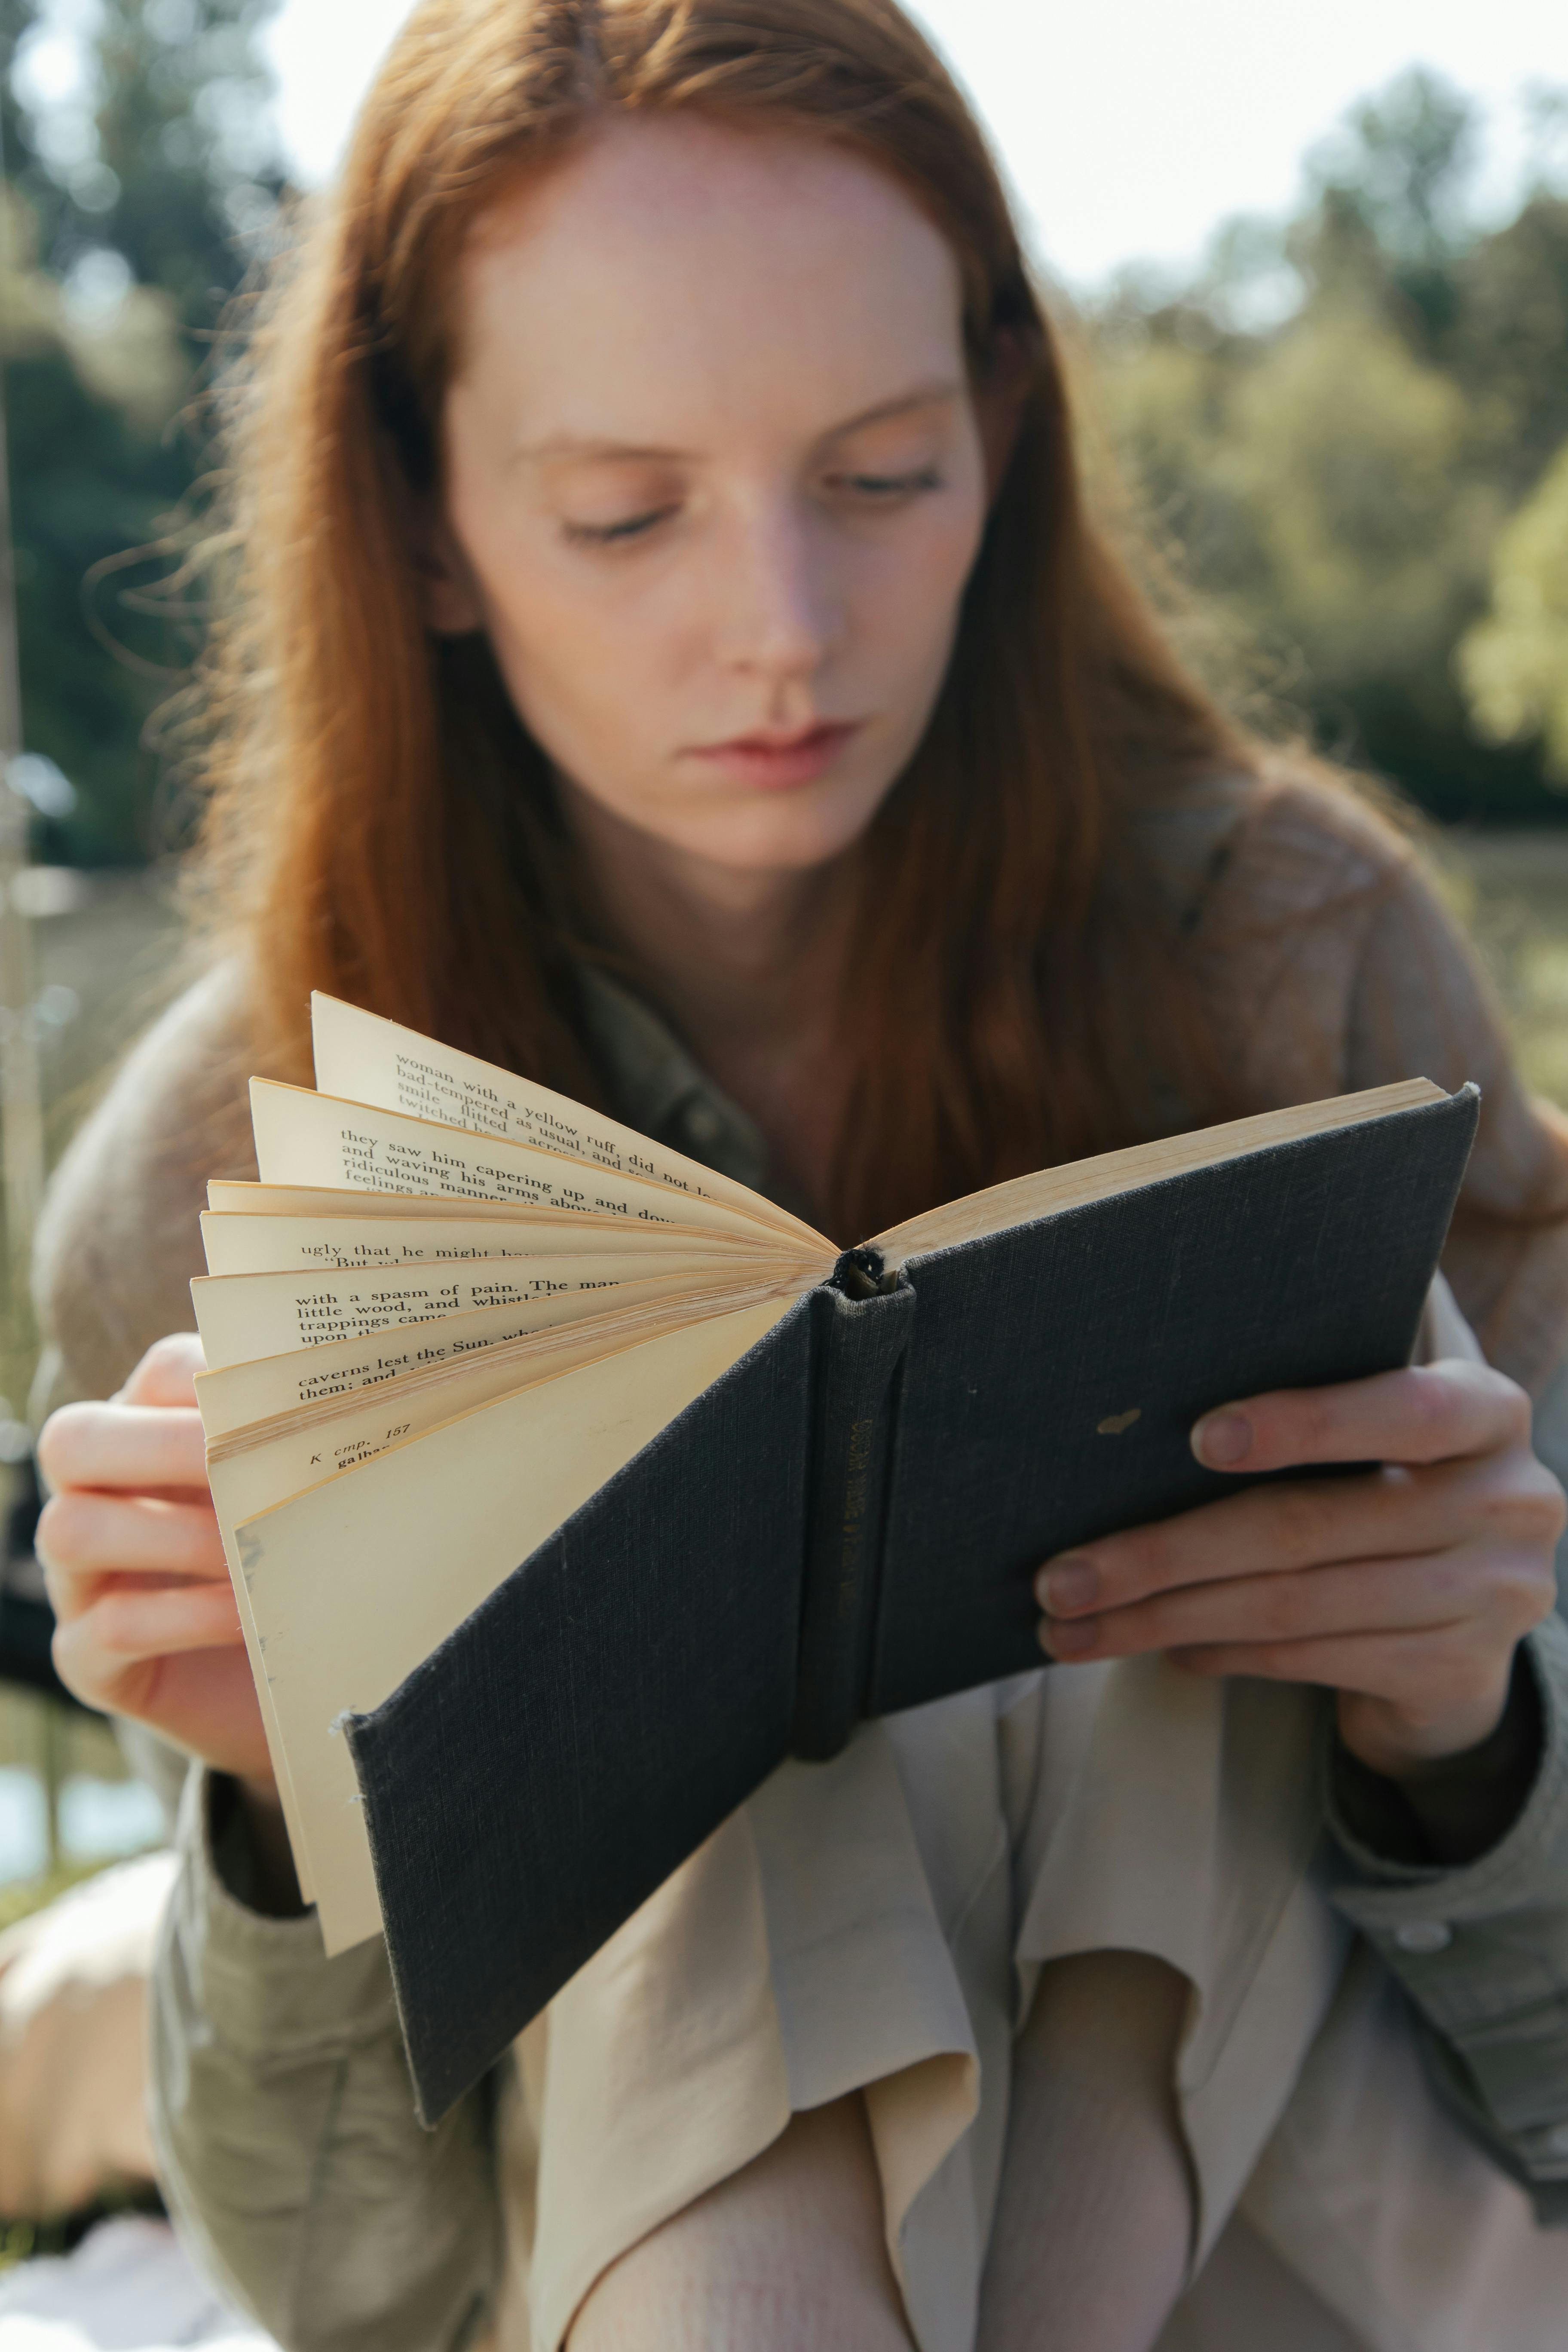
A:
[244,1315]
[375,1061]
[568,1487]
[307,1139]
[275,1244]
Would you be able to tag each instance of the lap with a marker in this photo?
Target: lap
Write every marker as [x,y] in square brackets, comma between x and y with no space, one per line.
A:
[874,1927]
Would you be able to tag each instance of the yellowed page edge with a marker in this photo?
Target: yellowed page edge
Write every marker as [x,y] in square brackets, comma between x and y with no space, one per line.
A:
[293,1821]
[243,1317]
[309,1138]
[355,1582]
[231,1196]
[245,1196]
[1052,1190]
[236,1243]
[432,1391]
[240,1396]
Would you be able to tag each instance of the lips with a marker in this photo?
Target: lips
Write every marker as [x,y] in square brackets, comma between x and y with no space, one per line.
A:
[779,762]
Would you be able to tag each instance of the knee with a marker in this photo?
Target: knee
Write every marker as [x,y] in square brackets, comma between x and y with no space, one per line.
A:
[1114,2016]
[788,2255]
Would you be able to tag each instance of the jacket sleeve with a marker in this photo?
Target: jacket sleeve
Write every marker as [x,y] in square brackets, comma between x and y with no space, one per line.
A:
[1482,1950]
[1482,1953]
[120,1234]
[284,2124]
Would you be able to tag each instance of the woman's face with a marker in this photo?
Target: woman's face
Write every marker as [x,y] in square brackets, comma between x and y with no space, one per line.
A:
[714,482]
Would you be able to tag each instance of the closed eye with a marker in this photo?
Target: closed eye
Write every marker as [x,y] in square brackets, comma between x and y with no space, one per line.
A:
[881,490]
[614,534]
[888,486]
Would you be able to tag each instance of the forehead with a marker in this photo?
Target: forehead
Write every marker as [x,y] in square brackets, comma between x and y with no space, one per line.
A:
[675,275]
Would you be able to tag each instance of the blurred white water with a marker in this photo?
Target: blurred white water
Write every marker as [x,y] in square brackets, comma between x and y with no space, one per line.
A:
[100,1820]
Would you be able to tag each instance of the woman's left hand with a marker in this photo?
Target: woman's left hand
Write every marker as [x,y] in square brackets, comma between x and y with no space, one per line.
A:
[1405,1587]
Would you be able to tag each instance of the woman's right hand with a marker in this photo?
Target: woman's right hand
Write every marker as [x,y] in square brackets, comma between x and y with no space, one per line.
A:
[147,1625]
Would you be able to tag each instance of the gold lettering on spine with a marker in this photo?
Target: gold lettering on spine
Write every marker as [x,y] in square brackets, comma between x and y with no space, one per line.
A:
[853,1529]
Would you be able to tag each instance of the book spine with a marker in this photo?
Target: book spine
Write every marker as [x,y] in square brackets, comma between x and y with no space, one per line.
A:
[860,1348]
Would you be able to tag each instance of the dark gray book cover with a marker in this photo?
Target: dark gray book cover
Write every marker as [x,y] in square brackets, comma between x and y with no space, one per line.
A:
[846,1524]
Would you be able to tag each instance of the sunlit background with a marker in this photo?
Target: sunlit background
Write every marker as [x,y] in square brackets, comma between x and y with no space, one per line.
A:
[1318,261]
[1130,130]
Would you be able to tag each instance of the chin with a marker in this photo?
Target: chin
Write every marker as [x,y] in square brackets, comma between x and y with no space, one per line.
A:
[775,848]
[785,833]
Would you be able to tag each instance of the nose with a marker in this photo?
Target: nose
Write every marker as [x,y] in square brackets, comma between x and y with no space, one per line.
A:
[778,609]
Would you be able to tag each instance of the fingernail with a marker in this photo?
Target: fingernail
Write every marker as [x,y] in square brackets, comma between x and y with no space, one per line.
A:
[1223,1440]
[1070,1582]
[1070,1641]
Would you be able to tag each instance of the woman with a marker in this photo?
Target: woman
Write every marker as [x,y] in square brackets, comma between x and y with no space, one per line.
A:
[673,657]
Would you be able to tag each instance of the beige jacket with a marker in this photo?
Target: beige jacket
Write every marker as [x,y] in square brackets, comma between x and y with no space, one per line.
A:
[282,2101]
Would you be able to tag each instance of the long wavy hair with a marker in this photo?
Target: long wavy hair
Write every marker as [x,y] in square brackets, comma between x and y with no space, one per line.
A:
[382,826]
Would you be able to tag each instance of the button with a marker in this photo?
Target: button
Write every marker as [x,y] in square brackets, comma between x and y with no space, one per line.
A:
[703,1123]
[1423,1936]
[1557,2140]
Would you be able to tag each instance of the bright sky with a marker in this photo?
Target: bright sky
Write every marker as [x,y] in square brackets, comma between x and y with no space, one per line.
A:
[1130,128]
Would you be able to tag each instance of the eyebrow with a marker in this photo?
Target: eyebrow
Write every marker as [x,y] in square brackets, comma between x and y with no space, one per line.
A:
[568,445]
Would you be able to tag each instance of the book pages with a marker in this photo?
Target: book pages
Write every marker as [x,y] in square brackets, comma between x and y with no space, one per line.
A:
[370,1060]
[307,1139]
[453,1307]
[246,1244]
[243,1316]
[306,1444]
[258,1398]
[1056,1188]
[244,1197]
[296,1441]
[240,1396]
[353,1584]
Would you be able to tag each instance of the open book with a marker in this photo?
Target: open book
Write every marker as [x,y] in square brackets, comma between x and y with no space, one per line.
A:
[569,1486]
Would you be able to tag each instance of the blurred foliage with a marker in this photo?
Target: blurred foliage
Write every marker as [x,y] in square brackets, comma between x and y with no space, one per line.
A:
[1514,664]
[1352,426]
[133,213]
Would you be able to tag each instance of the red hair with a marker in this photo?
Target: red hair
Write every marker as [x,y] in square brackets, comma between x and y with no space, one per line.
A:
[382,828]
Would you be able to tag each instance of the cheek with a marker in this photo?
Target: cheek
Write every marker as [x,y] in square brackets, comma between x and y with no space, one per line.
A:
[570,658]
[908,605]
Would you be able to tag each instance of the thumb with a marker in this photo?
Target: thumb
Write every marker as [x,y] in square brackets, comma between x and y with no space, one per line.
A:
[168,1372]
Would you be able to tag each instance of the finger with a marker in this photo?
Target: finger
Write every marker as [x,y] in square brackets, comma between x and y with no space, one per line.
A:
[1499,1591]
[1298,1524]
[166,1374]
[1428,1675]
[1262,1530]
[124,1628]
[202,1700]
[1432,1412]
[83,1534]
[135,1446]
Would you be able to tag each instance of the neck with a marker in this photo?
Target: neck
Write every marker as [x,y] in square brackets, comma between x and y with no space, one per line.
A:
[747,963]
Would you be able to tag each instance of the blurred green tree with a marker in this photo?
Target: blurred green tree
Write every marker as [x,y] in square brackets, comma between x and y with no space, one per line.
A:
[1514,662]
[92,474]
[1333,421]
[184,145]
[1506,347]
[135,214]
